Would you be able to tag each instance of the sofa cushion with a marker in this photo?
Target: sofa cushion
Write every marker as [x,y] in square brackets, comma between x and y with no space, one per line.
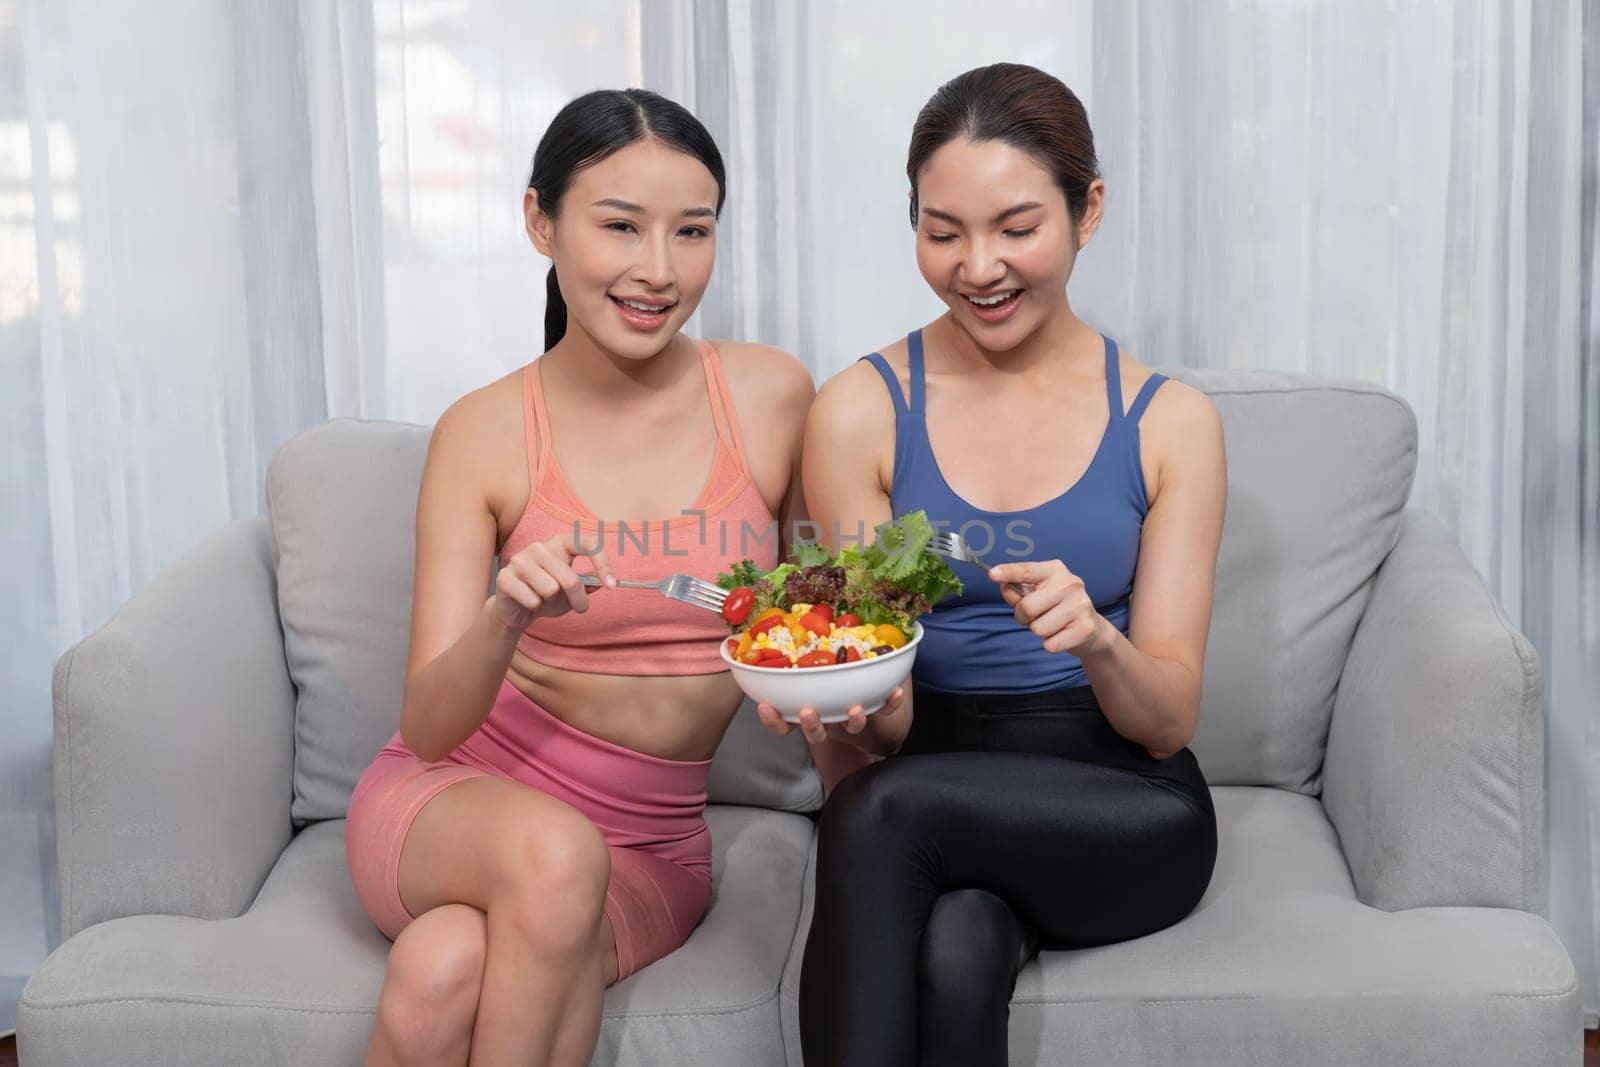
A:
[296,979]
[342,501]
[754,768]
[1319,472]
[1281,963]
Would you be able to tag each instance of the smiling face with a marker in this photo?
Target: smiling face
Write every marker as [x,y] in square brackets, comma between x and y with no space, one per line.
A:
[995,239]
[633,245]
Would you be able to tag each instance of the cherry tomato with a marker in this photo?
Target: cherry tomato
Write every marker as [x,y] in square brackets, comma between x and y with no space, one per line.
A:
[824,610]
[851,654]
[817,659]
[847,620]
[814,623]
[736,608]
[752,657]
[766,621]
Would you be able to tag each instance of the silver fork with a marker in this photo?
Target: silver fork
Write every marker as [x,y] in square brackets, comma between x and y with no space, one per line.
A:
[683,587]
[952,545]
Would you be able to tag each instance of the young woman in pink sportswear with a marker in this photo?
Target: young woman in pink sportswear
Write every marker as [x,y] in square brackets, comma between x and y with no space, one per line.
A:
[535,829]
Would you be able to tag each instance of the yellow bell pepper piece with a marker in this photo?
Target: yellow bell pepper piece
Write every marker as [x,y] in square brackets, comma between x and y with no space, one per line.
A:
[891,635]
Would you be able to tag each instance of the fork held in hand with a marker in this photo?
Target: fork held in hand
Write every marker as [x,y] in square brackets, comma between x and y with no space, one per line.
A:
[682,587]
[952,545]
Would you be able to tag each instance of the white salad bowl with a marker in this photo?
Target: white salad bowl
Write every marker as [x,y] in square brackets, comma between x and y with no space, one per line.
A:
[833,690]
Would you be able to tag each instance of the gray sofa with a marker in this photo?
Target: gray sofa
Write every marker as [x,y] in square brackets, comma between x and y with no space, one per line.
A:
[1371,726]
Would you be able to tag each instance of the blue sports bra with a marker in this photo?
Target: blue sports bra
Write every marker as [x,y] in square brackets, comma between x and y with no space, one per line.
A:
[973,643]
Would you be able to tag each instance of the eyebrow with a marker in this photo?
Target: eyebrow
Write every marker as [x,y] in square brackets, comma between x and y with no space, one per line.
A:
[634,209]
[1015,209]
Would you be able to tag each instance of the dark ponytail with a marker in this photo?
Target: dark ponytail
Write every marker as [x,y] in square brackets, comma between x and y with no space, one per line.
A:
[593,127]
[555,311]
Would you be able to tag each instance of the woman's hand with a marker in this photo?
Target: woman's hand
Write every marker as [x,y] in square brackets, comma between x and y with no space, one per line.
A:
[540,583]
[1051,601]
[853,731]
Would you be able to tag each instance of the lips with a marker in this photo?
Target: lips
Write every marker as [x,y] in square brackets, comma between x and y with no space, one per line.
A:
[645,314]
[996,306]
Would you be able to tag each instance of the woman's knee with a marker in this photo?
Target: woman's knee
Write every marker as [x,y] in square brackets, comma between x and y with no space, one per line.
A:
[552,886]
[891,794]
[971,950]
[434,978]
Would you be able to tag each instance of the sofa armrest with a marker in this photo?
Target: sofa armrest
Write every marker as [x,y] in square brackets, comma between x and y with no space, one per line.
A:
[1434,777]
[174,742]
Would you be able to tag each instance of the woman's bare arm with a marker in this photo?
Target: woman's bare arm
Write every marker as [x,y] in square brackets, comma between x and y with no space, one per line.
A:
[1149,682]
[459,651]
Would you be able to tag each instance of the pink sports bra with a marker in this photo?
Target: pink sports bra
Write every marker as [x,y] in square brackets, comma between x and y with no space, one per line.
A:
[639,631]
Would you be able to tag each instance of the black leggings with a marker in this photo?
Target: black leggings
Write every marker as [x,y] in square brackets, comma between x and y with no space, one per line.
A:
[1006,822]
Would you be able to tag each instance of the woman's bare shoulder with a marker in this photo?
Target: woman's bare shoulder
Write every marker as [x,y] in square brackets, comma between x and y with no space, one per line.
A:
[1173,401]
[1178,408]
[897,354]
[764,373]
[1180,428]
[479,443]
[859,388]
[486,414]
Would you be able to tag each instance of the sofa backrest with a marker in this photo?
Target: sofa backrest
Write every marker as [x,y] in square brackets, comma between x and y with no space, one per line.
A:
[341,500]
[1319,471]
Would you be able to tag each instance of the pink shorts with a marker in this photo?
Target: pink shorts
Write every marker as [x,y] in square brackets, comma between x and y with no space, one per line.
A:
[651,812]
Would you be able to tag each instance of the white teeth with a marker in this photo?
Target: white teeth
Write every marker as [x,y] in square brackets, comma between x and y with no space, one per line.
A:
[991,301]
[642,307]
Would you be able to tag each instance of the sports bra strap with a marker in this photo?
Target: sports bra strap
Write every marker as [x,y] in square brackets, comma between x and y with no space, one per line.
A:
[722,411]
[887,374]
[535,424]
[918,377]
[1142,401]
[1113,380]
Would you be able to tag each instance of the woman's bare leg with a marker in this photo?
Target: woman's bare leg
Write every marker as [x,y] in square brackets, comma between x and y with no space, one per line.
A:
[431,989]
[537,869]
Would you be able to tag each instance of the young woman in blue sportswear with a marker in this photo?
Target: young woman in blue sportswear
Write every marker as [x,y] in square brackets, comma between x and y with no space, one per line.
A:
[1032,785]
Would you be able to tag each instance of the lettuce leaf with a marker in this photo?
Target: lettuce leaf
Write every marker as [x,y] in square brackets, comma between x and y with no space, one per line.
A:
[893,580]
[811,554]
[902,559]
[745,572]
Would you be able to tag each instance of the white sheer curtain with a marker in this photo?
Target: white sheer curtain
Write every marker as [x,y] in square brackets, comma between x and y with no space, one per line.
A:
[220,223]
[1405,194]
[464,91]
[204,210]
[159,337]
[1399,193]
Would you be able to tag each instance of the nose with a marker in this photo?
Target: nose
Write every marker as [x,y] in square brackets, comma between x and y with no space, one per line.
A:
[654,266]
[982,265]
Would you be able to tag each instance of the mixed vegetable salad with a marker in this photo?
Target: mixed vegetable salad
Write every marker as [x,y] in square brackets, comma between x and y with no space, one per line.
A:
[824,609]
